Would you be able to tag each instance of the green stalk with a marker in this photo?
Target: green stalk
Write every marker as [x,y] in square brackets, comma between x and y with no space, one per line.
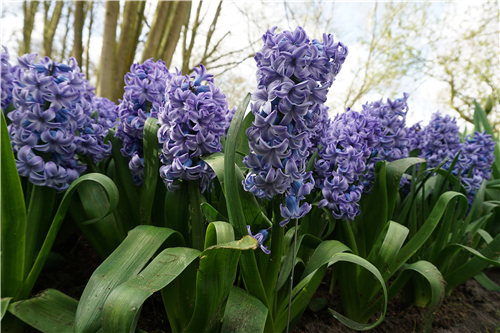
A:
[273,268]
[39,212]
[348,236]
[197,220]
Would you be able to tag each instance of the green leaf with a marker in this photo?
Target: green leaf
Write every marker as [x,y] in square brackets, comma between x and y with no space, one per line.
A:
[216,162]
[322,255]
[394,172]
[486,282]
[49,312]
[104,231]
[317,304]
[124,178]
[177,211]
[123,306]
[426,230]
[122,265]
[4,304]
[151,162]
[13,215]
[286,267]
[112,193]
[211,214]
[216,275]
[244,313]
[348,257]
[242,140]
[234,206]
[301,295]
[219,233]
[253,281]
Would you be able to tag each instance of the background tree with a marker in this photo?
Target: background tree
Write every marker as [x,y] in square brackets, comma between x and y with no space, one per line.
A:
[50,25]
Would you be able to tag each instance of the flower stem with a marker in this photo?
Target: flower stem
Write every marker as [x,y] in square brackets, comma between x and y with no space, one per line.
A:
[291,275]
[197,220]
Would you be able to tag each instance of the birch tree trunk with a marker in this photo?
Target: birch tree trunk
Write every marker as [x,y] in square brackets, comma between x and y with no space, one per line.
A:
[50,26]
[78,32]
[29,9]
[107,65]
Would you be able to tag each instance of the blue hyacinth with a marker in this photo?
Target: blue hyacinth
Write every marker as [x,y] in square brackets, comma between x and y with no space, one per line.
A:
[342,160]
[144,94]
[193,120]
[293,75]
[393,142]
[8,74]
[54,124]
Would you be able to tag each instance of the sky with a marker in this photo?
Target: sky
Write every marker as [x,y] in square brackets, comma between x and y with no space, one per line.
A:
[348,24]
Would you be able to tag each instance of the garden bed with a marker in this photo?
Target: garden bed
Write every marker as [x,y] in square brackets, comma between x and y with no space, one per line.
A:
[470,308]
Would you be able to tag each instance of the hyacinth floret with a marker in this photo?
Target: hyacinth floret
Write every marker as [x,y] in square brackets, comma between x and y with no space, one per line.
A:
[193,120]
[144,94]
[393,142]
[293,76]
[261,236]
[342,160]
[52,127]
[8,74]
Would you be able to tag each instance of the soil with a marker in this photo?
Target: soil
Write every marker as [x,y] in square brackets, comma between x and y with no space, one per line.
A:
[470,308]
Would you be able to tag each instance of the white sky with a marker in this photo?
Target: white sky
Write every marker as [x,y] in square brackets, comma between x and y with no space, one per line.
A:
[349,24]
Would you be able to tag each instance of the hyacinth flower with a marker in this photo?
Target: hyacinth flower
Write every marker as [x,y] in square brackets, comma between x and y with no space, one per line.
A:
[52,129]
[393,143]
[440,140]
[261,236]
[8,74]
[144,94]
[294,75]
[193,121]
[342,160]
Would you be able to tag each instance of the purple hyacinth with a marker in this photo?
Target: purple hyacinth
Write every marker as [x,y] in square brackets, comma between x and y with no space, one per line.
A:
[293,75]
[342,160]
[440,140]
[8,74]
[261,236]
[393,142]
[52,126]
[475,162]
[144,94]
[193,121]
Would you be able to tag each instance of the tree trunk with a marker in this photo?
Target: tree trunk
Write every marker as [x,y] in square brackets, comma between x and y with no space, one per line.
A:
[181,17]
[66,33]
[158,29]
[78,32]
[187,51]
[107,65]
[132,23]
[29,9]
[50,27]
[91,21]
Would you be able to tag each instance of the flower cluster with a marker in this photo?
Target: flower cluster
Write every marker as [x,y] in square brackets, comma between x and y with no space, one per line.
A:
[393,143]
[193,121]
[294,75]
[8,73]
[144,94]
[51,126]
[475,160]
[439,140]
[342,160]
